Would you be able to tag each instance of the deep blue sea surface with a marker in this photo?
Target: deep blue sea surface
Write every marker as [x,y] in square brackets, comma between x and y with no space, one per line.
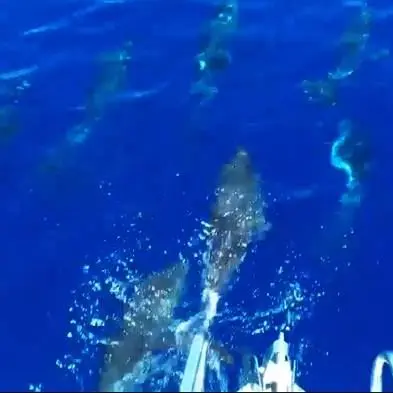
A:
[134,183]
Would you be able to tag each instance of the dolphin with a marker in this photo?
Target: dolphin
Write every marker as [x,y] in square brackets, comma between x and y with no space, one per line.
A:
[148,325]
[238,217]
[147,321]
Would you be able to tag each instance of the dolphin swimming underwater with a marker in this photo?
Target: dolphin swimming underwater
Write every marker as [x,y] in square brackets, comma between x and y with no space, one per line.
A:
[148,317]
[237,218]
[148,325]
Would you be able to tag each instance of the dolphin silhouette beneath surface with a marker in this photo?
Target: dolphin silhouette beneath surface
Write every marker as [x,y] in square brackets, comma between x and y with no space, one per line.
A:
[237,218]
[149,326]
[148,317]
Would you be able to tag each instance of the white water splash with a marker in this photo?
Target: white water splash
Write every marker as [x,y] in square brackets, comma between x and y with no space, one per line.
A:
[90,321]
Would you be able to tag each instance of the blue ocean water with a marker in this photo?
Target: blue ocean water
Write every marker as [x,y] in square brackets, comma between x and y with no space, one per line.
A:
[135,185]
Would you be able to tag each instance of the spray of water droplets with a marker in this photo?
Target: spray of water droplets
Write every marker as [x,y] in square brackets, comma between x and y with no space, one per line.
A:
[106,282]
